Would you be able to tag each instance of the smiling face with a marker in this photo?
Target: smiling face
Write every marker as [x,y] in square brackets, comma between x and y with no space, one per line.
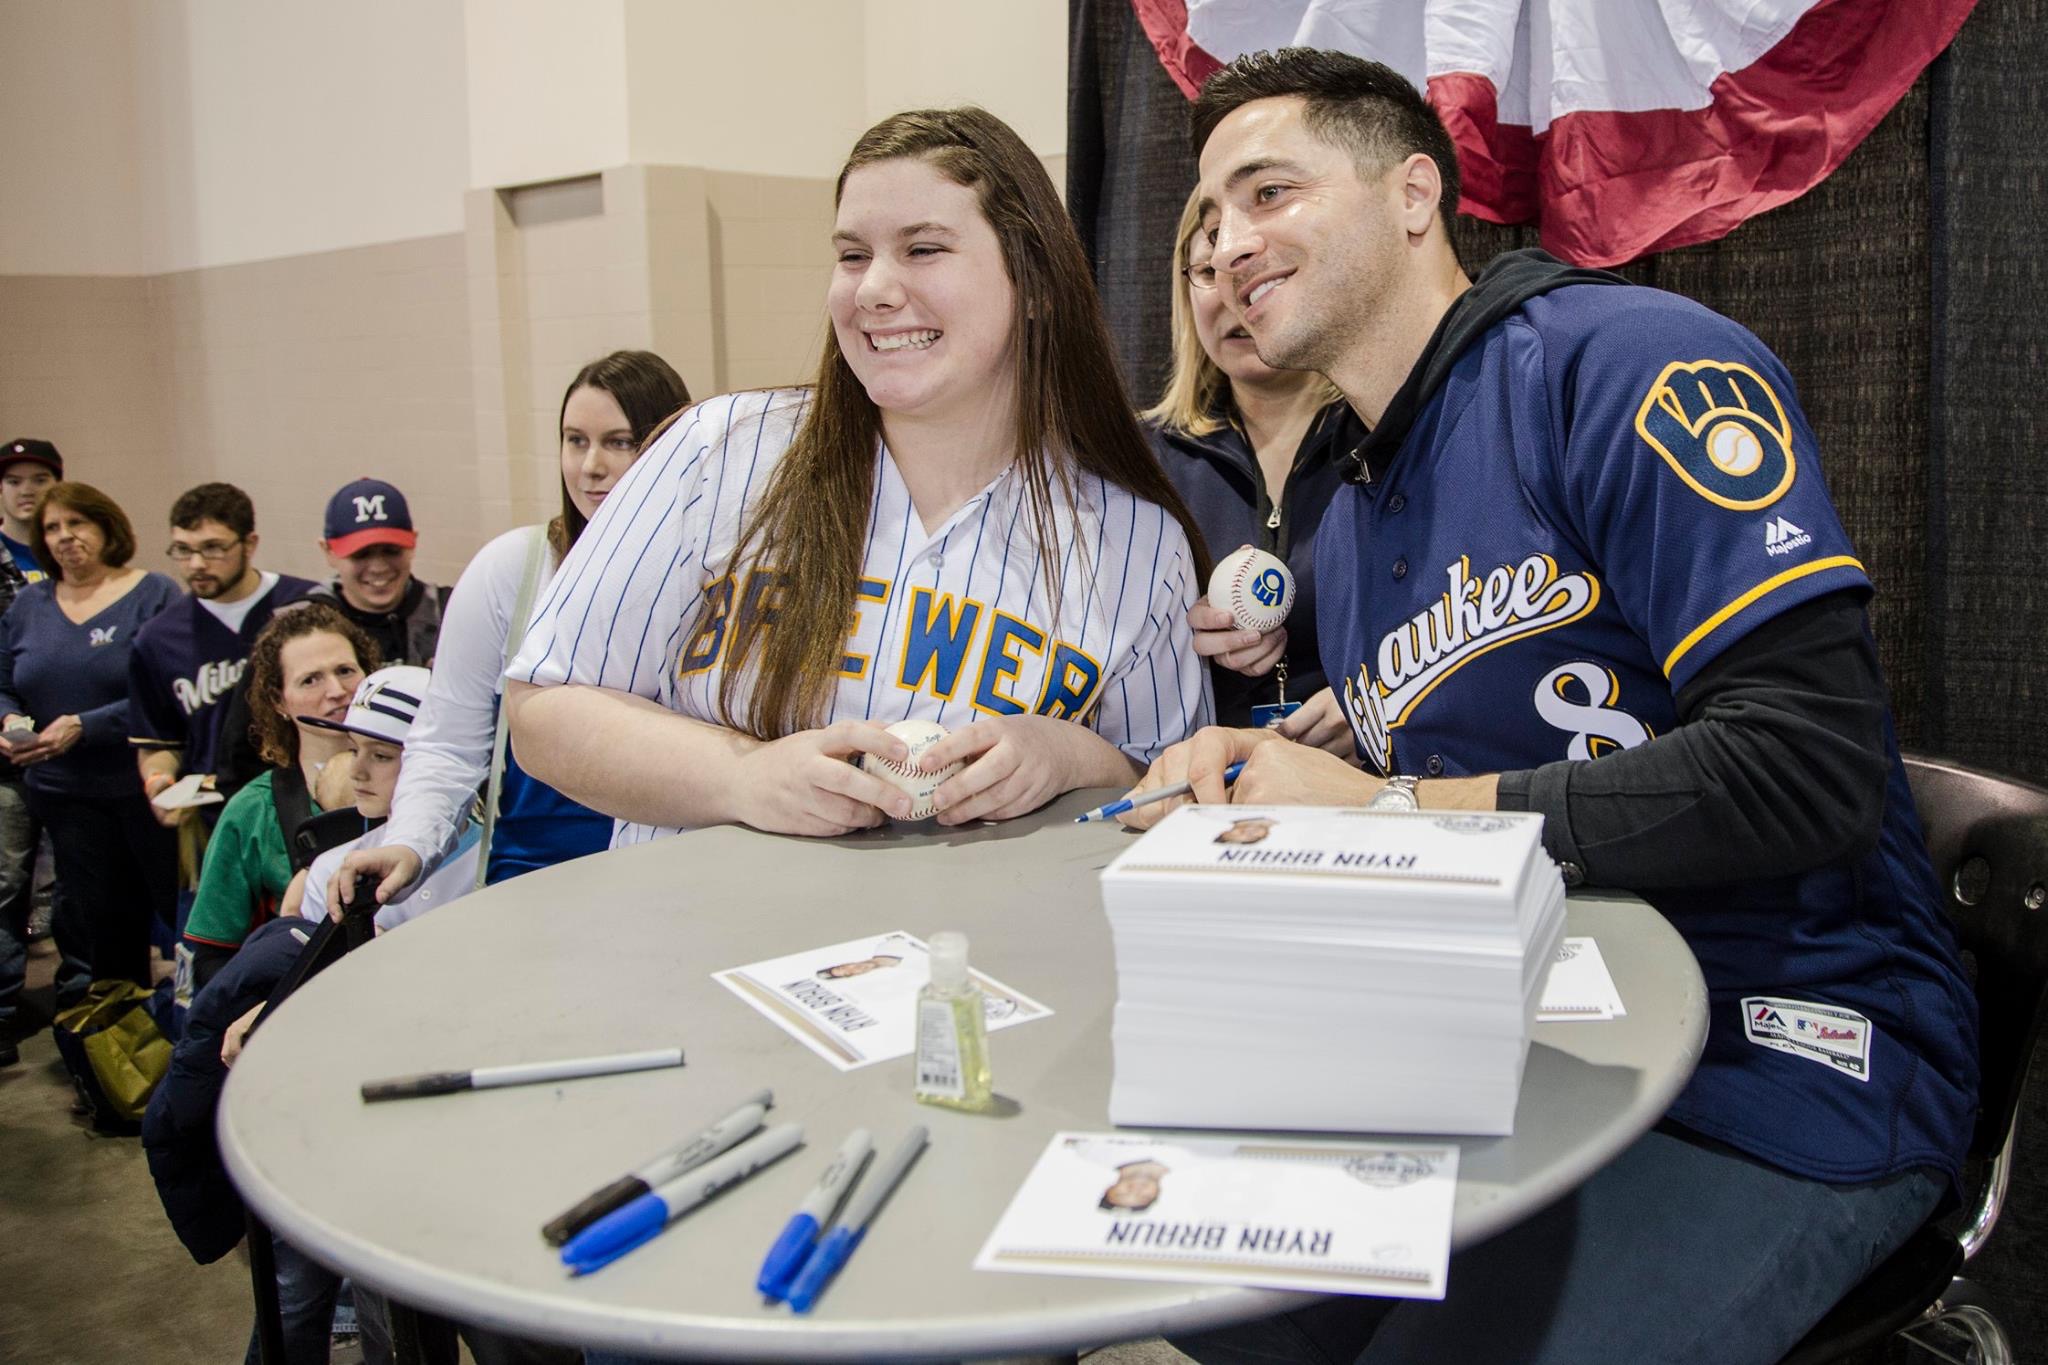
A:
[597,447]
[1222,332]
[319,673]
[375,577]
[1309,250]
[75,540]
[920,302]
[373,774]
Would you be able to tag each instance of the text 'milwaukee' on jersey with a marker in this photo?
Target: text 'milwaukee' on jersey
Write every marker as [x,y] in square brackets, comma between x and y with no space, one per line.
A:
[949,624]
[1612,486]
[184,669]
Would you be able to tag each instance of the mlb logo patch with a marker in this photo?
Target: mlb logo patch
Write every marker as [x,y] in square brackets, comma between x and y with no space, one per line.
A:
[1827,1034]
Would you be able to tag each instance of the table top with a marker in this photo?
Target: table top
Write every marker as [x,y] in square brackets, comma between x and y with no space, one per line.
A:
[440,1201]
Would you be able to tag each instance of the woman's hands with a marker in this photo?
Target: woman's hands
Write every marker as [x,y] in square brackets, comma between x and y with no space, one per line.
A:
[1218,639]
[806,783]
[59,736]
[1015,764]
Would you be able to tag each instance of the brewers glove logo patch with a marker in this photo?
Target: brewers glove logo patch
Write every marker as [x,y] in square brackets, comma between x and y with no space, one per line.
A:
[1721,429]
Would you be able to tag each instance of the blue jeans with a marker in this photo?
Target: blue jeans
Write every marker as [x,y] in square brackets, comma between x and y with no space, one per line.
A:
[305,1300]
[1681,1250]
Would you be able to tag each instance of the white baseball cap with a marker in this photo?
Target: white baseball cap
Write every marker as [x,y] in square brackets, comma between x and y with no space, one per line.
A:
[385,704]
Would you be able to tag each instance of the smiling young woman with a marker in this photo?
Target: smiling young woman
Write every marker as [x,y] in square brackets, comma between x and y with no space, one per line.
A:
[958,521]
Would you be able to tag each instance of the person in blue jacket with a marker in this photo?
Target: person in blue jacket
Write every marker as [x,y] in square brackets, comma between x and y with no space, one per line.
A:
[1586,565]
[1255,452]
[64,648]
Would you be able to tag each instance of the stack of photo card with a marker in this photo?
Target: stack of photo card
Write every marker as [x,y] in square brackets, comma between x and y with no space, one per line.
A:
[1316,968]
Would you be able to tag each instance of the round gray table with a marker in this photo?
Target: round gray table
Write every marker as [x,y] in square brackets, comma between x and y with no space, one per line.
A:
[439,1202]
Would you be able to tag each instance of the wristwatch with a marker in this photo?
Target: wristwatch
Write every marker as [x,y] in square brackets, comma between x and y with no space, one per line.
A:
[1398,794]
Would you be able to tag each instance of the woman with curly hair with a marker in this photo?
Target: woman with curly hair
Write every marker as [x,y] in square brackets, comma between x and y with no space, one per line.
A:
[306,662]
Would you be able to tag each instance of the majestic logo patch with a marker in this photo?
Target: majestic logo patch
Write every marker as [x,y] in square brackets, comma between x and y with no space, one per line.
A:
[1827,1034]
[1781,537]
[1721,428]
[1474,615]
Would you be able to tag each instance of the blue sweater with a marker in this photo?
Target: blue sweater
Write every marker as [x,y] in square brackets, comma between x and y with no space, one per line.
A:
[51,667]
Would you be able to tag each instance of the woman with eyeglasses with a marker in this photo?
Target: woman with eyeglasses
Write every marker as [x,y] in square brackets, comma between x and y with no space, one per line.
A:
[64,720]
[1256,453]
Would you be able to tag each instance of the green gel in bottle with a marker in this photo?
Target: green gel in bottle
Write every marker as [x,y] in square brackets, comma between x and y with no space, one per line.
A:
[952,1032]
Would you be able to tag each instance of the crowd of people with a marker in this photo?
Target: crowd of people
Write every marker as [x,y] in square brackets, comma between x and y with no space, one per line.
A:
[1525,514]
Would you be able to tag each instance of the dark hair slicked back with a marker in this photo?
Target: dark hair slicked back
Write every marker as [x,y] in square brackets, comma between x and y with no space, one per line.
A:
[1368,109]
[221,502]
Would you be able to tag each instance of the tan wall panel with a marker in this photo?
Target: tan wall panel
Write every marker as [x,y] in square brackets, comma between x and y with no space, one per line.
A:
[77,367]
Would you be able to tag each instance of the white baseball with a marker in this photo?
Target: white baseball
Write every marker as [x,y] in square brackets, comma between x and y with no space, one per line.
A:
[1254,587]
[920,735]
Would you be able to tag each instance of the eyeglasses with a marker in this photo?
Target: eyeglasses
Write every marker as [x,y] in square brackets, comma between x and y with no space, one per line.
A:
[1201,276]
[213,552]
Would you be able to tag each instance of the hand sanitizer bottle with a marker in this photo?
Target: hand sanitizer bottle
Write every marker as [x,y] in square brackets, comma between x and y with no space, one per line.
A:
[952,1036]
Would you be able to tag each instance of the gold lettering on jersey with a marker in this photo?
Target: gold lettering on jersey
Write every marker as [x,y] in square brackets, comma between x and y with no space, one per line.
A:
[948,644]
[1472,616]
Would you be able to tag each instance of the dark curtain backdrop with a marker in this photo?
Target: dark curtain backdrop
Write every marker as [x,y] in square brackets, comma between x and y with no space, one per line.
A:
[1907,295]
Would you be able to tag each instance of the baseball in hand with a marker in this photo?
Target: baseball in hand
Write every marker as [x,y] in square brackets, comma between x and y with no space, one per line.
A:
[920,735]
[1254,587]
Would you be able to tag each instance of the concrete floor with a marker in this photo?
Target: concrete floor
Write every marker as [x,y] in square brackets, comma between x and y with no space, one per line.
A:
[90,1271]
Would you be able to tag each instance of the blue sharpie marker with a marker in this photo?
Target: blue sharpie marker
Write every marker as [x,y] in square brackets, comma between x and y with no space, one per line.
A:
[786,1258]
[860,1211]
[641,1221]
[1116,808]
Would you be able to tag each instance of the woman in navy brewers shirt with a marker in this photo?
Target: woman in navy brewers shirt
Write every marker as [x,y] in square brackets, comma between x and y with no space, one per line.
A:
[64,668]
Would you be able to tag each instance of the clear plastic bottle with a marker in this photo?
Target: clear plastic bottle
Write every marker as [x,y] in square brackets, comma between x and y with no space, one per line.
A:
[952,1031]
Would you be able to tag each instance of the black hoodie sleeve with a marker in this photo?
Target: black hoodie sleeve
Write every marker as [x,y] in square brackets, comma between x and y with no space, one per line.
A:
[1778,765]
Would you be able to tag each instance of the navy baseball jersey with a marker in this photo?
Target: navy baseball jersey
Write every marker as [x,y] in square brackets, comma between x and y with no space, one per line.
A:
[184,668]
[949,623]
[1611,486]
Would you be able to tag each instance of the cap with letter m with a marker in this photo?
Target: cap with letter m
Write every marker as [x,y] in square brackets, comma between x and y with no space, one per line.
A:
[368,512]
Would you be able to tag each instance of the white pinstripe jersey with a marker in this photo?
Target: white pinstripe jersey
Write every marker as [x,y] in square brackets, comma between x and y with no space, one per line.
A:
[951,624]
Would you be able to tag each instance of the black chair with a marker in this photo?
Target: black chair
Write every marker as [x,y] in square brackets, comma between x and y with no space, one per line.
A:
[1989,839]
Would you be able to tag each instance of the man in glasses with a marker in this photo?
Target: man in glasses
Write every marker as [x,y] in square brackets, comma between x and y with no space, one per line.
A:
[187,660]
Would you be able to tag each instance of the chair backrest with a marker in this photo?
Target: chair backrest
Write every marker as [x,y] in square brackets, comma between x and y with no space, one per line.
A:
[1988,836]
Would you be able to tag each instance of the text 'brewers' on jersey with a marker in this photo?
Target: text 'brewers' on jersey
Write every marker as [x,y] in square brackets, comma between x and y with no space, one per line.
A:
[949,623]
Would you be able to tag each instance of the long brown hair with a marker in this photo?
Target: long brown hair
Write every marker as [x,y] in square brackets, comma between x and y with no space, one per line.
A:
[648,391]
[276,736]
[1072,417]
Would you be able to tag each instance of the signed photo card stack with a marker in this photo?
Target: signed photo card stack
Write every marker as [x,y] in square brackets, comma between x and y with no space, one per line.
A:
[1317,968]
[1335,1218]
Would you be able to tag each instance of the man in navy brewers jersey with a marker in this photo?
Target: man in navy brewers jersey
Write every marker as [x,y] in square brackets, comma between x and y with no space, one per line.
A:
[1587,566]
[187,660]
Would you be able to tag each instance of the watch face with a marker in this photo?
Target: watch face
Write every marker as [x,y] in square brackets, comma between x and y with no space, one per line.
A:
[1394,796]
